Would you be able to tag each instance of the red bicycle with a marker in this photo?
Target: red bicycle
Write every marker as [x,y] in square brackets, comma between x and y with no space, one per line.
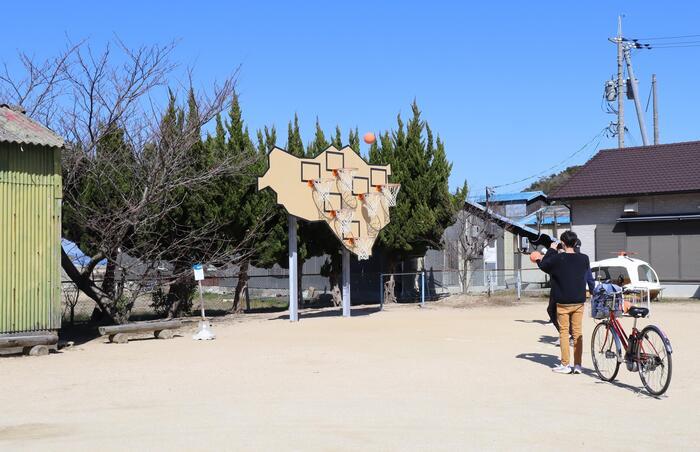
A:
[647,351]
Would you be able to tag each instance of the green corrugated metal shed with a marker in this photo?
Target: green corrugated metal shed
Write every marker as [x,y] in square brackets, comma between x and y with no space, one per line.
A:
[30,224]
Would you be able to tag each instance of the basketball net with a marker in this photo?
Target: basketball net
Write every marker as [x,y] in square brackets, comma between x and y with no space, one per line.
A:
[372,201]
[345,176]
[363,248]
[323,187]
[344,217]
[390,191]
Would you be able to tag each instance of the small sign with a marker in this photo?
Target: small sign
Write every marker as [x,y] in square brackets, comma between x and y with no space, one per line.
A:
[198,272]
[490,254]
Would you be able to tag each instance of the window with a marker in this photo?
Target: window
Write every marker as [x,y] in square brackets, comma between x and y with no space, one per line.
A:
[516,210]
[645,273]
[617,275]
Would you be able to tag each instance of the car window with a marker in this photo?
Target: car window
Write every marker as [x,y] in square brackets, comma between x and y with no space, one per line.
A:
[645,273]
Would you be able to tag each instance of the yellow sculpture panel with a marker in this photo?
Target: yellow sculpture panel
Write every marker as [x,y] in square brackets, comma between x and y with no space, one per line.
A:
[337,187]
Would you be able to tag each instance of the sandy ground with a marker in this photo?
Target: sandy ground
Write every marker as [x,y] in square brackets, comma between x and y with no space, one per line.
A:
[439,378]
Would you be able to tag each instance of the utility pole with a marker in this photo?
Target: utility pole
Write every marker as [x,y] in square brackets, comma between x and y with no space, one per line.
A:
[620,88]
[656,109]
[635,93]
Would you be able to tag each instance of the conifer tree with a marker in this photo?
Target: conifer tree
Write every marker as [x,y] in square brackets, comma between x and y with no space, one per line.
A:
[195,209]
[425,205]
[337,139]
[354,140]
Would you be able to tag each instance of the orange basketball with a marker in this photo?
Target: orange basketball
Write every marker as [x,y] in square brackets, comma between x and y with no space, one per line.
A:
[535,256]
[370,138]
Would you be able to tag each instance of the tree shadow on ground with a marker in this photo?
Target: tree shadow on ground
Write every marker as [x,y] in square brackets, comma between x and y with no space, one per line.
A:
[139,337]
[551,361]
[539,322]
[356,312]
[79,334]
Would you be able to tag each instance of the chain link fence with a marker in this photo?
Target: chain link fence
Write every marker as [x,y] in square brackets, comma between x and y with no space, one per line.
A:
[270,292]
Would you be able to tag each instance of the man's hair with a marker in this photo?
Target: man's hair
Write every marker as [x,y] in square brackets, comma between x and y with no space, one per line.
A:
[569,239]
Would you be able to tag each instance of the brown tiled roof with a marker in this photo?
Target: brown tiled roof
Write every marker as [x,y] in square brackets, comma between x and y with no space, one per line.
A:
[15,127]
[662,168]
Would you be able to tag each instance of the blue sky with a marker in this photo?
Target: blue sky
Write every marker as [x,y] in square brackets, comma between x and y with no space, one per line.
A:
[511,87]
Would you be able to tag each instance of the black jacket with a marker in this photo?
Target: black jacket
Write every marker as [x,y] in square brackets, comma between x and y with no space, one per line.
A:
[570,273]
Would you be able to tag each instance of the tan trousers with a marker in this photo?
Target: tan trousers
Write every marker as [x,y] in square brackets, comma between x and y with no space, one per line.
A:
[570,314]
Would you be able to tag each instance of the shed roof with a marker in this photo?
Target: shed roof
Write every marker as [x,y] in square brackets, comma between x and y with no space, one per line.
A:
[16,127]
[524,196]
[642,170]
[548,214]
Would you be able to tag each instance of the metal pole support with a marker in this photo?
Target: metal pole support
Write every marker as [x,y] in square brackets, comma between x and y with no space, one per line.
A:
[293,270]
[381,291]
[422,289]
[518,281]
[346,282]
[201,301]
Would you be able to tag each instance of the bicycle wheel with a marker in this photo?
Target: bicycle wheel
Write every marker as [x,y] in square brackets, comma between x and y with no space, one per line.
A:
[654,360]
[604,352]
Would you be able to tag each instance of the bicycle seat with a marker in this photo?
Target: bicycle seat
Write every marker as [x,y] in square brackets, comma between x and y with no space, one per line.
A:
[636,311]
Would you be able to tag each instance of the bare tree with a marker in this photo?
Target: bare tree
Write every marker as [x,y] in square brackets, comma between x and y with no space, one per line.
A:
[473,236]
[130,167]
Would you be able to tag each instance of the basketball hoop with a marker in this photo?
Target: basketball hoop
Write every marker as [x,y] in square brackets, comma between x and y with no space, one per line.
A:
[372,201]
[390,191]
[323,187]
[363,247]
[345,176]
[344,217]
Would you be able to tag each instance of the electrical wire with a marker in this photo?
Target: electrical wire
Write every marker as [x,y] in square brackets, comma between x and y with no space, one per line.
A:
[648,99]
[674,43]
[541,173]
[668,37]
[674,47]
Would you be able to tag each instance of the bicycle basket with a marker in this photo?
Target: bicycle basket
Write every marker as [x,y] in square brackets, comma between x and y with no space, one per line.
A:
[606,296]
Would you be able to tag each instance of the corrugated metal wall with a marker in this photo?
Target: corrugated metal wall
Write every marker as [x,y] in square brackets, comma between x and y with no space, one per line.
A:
[30,228]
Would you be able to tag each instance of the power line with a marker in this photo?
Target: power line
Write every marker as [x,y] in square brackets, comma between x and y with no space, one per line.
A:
[668,37]
[675,43]
[674,47]
[599,134]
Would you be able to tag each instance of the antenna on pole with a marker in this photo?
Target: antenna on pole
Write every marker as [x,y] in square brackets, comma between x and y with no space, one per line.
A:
[655,108]
[617,40]
[620,87]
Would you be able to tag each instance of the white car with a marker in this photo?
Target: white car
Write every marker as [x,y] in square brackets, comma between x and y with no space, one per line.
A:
[629,273]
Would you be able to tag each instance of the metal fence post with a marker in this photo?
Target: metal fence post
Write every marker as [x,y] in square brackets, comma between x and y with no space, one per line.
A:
[422,289]
[381,291]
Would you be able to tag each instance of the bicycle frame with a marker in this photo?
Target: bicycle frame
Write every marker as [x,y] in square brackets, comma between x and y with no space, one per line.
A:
[620,337]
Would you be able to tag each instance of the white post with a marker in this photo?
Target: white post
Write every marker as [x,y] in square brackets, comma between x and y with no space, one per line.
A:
[201,300]
[293,289]
[346,282]
[204,332]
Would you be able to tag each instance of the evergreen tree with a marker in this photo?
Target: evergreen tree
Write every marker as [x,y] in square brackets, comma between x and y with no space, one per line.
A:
[270,247]
[319,144]
[253,221]
[425,205]
[354,140]
[195,208]
[337,139]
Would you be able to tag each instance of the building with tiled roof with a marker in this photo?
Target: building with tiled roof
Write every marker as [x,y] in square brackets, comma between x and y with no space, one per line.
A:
[644,200]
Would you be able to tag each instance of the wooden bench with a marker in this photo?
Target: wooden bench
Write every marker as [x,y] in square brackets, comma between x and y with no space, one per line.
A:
[32,344]
[120,334]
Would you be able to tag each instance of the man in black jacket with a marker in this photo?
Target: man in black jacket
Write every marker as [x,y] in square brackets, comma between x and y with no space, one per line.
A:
[570,273]
[552,305]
